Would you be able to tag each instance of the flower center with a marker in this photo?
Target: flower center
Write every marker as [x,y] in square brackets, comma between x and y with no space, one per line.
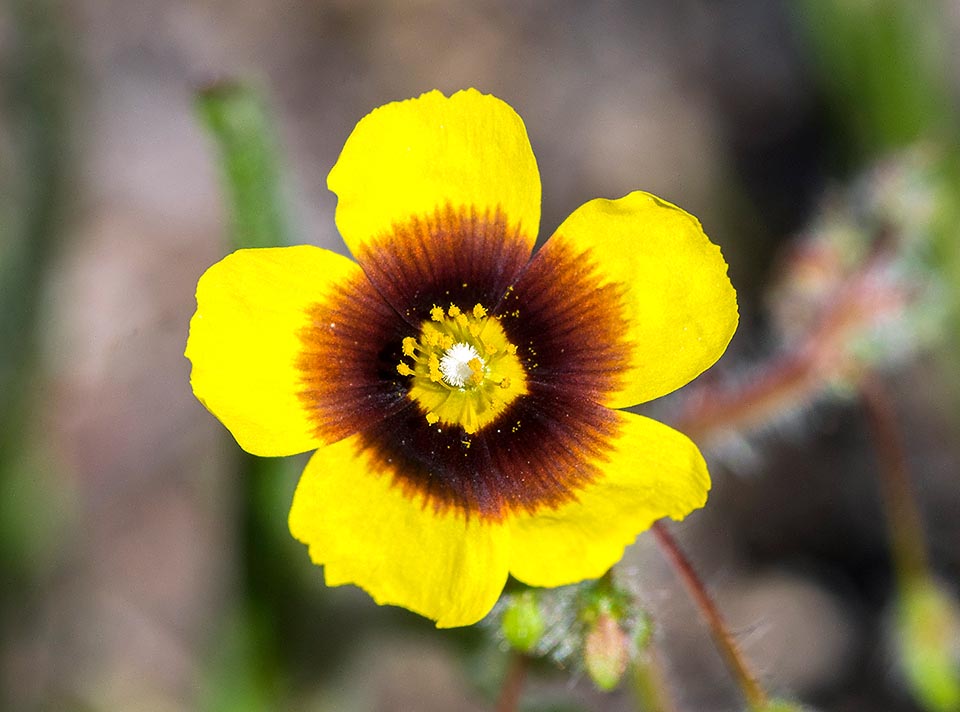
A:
[461,365]
[464,371]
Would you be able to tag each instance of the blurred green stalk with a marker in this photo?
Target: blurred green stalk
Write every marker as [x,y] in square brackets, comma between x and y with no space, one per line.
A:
[884,63]
[32,209]
[34,176]
[249,161]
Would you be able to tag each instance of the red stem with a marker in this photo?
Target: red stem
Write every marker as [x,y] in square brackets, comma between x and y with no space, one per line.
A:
[903,517]
[752,691]
[512,686]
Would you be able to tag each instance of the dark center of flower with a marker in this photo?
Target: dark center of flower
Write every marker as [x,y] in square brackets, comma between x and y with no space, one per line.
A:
[486,409]
[464,371]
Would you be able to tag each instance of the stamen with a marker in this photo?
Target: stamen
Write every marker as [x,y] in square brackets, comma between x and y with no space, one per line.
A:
[433,363]
[464,369]
[476,371]
[432,338]
[409,346]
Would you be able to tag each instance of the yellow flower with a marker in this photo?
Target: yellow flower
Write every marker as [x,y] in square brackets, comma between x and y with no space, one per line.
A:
[462,395]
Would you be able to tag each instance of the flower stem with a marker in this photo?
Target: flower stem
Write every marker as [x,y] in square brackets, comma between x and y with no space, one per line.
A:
[793,378]
[903,517]
[649,685]
[509,699]
[752,691]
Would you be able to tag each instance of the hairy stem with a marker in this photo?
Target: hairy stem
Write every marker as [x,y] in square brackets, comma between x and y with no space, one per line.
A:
[809,366]
[747,681]
[903,517]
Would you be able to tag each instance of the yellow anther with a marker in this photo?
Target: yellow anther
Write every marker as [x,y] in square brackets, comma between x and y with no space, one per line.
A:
[433,418]
[404,370]
[479,312]
[505,382]
[446,341]
[436,314]
[432,338]
[461,318]
[454,311]
[433,364]
[474,328]
[409,346]
[476,371]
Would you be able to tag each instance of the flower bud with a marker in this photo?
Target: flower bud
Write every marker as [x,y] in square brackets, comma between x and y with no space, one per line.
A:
[606,652]
[523,625]
[928,625]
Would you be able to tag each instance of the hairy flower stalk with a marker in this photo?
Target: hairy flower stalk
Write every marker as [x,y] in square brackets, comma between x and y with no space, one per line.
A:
[755,695]
[928,617]
[856,294]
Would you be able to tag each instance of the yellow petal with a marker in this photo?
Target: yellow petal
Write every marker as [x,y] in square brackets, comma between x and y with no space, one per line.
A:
[412,158]
[679,308]
[367,531]
[244,341]
[652,472]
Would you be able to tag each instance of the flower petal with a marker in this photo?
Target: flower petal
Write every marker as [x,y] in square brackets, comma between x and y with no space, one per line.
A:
[678,308]
[367,530]
[413,158]
[246,340]
[652,472]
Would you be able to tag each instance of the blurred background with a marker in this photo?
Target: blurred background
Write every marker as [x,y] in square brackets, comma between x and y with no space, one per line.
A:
[146,565]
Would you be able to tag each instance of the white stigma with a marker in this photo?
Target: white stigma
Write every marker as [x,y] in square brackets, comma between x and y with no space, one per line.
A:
[455,364]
